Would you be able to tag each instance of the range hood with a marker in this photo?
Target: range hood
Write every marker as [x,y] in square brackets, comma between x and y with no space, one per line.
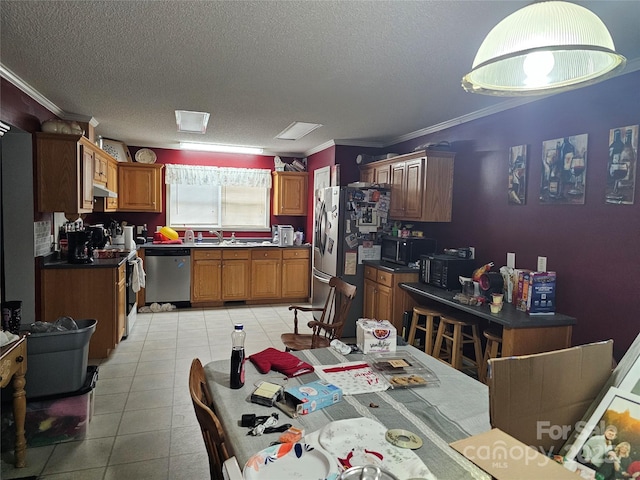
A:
[102,191]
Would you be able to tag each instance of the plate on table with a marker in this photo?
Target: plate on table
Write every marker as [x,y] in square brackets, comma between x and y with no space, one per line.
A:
[290,461]
[361,441]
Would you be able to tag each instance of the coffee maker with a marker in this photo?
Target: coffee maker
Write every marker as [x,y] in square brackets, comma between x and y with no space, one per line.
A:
[98,236]
[80,247]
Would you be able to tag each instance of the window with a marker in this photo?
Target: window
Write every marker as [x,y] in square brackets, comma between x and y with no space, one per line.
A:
[213,206]
[218,198]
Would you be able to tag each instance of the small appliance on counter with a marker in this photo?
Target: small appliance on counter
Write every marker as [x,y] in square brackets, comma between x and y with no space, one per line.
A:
[80,249]
[404,251]
[285,235]
[444,270]
[189,236]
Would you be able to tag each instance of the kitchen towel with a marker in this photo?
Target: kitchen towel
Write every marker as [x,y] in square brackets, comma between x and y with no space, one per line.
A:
[282,362]
[138,275]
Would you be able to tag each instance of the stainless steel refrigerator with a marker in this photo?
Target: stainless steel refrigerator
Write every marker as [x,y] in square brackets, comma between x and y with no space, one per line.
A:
[348,225]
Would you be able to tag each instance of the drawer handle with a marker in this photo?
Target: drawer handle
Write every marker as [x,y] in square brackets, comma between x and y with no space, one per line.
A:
[19,359]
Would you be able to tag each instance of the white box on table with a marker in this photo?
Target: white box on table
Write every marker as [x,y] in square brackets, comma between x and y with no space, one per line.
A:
[375,336]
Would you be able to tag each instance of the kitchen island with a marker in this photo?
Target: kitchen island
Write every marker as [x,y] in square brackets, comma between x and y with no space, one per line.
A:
[522,333]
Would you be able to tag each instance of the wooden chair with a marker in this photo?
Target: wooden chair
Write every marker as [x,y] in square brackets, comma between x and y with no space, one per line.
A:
[492,350]
[451,339]
[212,433]
[331,323]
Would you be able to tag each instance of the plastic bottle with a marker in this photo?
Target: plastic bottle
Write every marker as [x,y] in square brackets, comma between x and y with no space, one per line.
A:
[237,356]
[233,237]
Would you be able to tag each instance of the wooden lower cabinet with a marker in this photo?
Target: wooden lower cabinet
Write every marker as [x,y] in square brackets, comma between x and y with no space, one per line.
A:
[236,274]
[266,269]
[296,274]
[206,275]
[87,293]
[252,275]
[383,297]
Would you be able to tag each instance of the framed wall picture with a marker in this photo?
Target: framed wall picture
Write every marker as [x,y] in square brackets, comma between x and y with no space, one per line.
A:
[518,159]
[116,149]
[610,435]
[564,162]
[621,165]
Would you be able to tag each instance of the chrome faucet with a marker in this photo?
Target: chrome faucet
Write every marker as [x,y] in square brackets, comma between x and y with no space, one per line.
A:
[218,234]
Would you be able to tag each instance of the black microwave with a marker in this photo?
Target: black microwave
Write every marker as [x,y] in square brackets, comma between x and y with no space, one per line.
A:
[406,250]
[444,270]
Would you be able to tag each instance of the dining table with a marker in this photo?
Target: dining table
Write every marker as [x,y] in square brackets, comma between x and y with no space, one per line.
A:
[454,408]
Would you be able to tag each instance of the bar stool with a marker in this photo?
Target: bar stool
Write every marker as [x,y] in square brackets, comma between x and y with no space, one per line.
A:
[452,335]
[429,328]
[491,350]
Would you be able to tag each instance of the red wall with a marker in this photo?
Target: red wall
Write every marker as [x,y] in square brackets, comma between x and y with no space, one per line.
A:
[594,248]
[165,156]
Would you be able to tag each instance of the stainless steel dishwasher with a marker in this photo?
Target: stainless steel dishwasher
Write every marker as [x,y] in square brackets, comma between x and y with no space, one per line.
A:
[168,277]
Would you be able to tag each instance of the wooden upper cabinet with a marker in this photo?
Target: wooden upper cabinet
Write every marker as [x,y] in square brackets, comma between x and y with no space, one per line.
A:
[139,187]
[112,184]
[64,173]
[421,185]
[367,174]
[100,162]
[290,193]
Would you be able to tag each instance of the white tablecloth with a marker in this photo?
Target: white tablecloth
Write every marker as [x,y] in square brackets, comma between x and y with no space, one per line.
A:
[456,409]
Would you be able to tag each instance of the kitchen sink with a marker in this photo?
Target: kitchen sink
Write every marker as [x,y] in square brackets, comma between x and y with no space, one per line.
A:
[227,243]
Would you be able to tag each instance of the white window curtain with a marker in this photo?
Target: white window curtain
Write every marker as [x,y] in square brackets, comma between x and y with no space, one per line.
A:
[203,175]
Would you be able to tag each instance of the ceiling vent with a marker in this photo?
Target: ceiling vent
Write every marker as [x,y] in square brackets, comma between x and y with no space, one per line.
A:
[192,122]
[297,130]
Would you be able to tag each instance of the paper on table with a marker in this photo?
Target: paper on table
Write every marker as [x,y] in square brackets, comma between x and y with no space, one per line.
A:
[352,377]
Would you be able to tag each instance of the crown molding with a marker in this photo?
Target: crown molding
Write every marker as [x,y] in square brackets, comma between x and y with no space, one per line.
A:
[29,90]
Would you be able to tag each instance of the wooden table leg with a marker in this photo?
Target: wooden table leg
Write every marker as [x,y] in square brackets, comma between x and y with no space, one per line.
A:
[19,413]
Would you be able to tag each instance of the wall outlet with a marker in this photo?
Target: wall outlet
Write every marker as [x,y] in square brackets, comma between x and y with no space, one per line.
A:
[542,264]
[473,252]
[511,260]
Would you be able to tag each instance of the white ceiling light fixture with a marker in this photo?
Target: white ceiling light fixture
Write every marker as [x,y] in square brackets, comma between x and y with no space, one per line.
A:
[297,130]
[192,122]
[212,147]
[543,48]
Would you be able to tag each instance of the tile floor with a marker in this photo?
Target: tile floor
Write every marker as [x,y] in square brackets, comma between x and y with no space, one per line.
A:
[143,424]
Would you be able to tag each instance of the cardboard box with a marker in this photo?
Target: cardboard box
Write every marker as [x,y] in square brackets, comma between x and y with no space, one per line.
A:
[542,293]
[505,458]
[307,398]
[375,336]
[539,399]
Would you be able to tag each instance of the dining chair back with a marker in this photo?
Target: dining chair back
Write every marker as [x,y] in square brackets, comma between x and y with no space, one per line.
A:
[332,320]
[212,432]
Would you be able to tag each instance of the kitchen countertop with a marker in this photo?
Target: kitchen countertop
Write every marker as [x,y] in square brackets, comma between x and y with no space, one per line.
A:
[226,244]
[52,261]
[391,267]
[509,316]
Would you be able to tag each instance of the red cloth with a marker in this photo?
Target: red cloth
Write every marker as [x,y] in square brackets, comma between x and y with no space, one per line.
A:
[634,467]
[282,362]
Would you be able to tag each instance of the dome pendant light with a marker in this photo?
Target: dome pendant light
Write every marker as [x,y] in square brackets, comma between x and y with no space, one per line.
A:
[543,48]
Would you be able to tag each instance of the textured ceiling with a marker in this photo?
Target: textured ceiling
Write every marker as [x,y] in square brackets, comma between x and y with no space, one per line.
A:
[372,72]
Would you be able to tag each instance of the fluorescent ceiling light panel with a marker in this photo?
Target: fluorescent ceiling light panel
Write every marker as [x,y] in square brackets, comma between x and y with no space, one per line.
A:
[297,130]
[192,122]
[212,147]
